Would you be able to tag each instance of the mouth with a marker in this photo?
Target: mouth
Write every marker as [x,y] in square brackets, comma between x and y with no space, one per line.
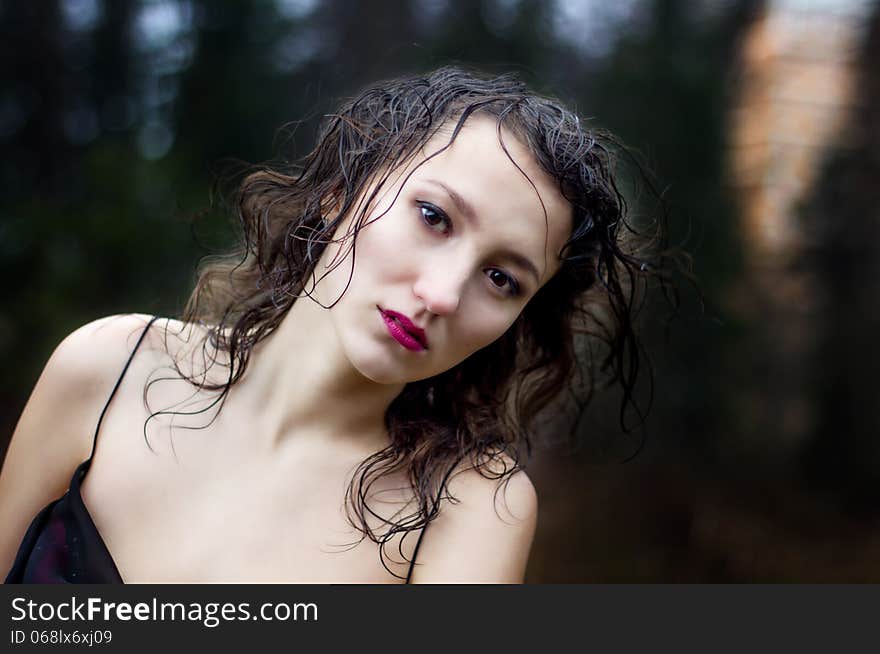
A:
[404,331]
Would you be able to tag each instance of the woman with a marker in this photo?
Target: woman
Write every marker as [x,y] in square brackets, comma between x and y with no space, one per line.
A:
[347,397]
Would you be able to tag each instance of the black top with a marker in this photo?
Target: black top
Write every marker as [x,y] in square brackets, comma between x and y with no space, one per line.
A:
[62,544]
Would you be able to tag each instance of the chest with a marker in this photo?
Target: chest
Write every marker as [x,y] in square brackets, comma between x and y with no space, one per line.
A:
[211,510]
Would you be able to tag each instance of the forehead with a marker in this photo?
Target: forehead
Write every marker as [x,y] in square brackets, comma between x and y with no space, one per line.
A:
[516,203]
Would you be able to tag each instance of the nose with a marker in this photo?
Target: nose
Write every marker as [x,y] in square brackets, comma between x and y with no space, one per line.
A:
[440,286]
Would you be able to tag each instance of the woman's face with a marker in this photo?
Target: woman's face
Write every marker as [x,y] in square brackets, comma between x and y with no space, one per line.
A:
[463,247]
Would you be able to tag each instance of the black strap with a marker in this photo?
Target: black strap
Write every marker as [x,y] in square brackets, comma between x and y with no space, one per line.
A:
[425,528]
[118,382]
[415,554]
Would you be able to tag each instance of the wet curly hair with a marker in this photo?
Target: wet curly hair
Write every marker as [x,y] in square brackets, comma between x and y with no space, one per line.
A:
[580,324]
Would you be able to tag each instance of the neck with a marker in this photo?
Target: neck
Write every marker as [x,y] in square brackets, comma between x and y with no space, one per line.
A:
[299,384]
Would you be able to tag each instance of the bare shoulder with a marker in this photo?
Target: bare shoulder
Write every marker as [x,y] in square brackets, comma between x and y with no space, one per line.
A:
[484,533]
[82,369]
[54,432]
[93,352]
[491,487]
[56,426]
[92,356]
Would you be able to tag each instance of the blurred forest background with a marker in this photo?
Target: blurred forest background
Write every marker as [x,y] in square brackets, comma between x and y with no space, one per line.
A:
[761,121]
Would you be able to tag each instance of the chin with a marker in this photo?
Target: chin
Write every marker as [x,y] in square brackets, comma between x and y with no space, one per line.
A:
[378,363]
[376,376]
[380,368]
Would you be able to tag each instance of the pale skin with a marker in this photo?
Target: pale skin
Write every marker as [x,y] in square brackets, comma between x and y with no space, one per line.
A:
[258,495]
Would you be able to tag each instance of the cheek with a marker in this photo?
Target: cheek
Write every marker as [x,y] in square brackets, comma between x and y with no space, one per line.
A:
[479,326]
[378,255]
[386,249]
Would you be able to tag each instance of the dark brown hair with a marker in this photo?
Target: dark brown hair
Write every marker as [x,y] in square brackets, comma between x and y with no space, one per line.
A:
[481,411]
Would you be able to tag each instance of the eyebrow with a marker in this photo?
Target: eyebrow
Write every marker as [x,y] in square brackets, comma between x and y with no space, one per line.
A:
[467,210]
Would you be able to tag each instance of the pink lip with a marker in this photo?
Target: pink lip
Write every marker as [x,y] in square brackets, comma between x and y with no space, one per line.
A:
[404,331]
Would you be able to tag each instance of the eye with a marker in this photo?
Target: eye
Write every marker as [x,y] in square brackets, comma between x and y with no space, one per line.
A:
[435,218]
[503,281]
